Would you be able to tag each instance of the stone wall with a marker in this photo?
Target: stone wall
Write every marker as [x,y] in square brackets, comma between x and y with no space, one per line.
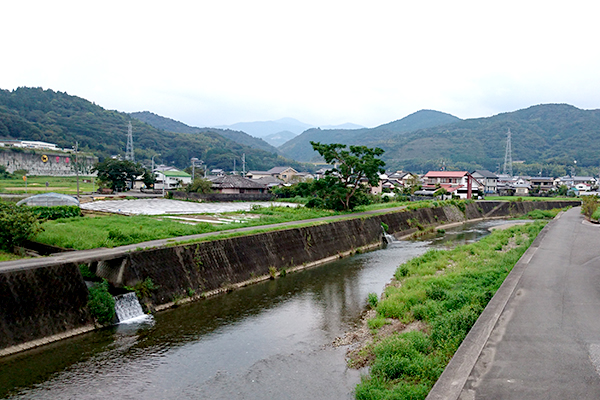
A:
[44,163]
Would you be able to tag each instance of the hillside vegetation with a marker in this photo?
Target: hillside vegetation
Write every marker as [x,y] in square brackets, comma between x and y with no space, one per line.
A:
[56,117]
[546,140]
[170,125]
[300,149]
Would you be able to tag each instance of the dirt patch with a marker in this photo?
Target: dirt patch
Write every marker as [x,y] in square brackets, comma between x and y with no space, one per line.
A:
[361,340]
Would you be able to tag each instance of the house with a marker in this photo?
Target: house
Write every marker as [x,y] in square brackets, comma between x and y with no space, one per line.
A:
[488,179]
[542,184]
[285,174]
[455,182]
[171,179]
[235,184]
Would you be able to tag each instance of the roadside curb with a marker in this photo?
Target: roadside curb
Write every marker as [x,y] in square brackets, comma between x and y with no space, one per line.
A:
[452,381]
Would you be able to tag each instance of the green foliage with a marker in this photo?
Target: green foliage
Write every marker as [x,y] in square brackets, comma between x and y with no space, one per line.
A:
[542,214]
[200,185]
[118,174]
[446,291]
[4,174]
[589,205]
[144,289]
[351,168]
[56,212]
[372,300]
[37,114]
[87,274]
[17,223]
[101,303]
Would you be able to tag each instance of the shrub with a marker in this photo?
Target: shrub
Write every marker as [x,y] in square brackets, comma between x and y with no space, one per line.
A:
[56,212]
[589,206]
[143,288]
[16,225]
[101,303]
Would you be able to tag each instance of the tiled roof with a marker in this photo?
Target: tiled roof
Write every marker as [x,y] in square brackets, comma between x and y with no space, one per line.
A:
[445,174]
[235,181]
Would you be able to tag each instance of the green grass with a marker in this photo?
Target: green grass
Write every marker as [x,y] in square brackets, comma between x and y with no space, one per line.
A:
[9,256]
[37,184]
[116,230]
[445,291]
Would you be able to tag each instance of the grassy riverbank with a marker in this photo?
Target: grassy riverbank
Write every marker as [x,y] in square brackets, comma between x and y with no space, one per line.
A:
[117,230]
[428,310]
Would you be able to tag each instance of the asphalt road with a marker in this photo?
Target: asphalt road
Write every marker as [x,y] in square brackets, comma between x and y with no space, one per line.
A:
[545,340]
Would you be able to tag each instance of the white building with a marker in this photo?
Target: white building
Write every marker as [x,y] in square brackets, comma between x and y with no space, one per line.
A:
[171,179]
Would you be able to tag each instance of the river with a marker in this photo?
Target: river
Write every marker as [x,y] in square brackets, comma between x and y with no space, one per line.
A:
[271,340]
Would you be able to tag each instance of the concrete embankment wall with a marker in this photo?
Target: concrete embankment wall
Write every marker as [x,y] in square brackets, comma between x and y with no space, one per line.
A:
[41,302]
[48,300]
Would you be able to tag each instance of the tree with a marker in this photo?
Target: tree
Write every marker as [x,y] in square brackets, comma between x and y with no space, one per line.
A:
[351,169]
[200,185]
[148,178]
[117,173]
[17,223]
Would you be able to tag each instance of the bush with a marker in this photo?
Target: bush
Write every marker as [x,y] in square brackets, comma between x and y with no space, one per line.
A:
[589,206]
[16,225]
[101,303]
[56,212]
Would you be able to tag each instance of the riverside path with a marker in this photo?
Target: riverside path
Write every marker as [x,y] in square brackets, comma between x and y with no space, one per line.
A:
[539,338]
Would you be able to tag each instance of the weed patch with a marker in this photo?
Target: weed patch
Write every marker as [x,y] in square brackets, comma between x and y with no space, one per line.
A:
[443,292]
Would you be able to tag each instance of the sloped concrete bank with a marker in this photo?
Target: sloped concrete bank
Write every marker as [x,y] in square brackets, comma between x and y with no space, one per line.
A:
[47,300]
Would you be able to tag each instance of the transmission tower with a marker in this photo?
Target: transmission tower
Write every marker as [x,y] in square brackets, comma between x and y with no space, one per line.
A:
[508,156]
[129,149]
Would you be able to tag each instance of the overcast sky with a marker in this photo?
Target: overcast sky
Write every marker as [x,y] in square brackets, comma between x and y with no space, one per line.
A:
[215,62]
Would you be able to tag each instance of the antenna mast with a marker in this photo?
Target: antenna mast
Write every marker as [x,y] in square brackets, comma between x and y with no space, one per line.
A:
[129,149]
[508,164]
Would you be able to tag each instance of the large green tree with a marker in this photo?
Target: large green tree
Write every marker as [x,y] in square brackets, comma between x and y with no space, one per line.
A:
[353,167]
[119,174]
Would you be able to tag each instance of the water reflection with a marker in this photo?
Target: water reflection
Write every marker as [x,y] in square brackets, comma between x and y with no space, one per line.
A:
[266,340]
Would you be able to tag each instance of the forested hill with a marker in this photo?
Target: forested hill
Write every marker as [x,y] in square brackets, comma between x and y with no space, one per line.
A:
[299,148]
[56,117]
[546,140]
[171,125]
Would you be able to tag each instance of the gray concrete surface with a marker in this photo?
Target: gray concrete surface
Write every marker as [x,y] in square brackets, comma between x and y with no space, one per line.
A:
[539,338]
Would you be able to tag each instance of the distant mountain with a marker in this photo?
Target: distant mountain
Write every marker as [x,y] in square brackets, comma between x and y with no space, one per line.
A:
[265,128]
[170,125]
[299,148]
[279,138]
[545,137]
[56,117]
[347,125]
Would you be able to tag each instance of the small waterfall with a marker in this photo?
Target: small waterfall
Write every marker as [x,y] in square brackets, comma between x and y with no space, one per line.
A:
[127,307]
[389,238]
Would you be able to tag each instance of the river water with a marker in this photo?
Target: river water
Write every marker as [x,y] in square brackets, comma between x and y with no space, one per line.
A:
[267,341]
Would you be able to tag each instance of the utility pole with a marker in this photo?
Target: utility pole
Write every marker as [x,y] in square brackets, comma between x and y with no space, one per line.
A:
[77,166]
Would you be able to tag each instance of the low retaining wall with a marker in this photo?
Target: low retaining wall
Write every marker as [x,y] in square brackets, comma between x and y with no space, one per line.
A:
[221,197]
[43,301]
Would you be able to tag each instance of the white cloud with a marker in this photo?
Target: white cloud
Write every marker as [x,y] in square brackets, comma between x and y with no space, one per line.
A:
[324,62]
